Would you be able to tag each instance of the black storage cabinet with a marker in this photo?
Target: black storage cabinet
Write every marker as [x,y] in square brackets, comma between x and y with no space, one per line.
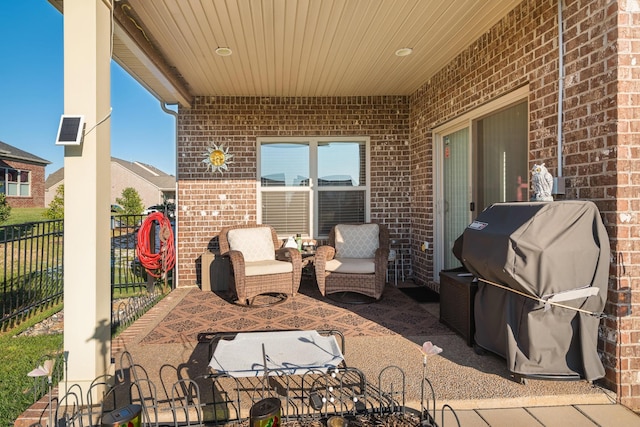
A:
[457,291]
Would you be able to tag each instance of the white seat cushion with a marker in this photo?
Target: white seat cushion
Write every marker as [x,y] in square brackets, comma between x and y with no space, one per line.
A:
[356,240]
[351,265]
[256,244]
[260,268]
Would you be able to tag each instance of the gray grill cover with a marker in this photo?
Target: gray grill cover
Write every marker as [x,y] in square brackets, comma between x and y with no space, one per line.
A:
[540,249]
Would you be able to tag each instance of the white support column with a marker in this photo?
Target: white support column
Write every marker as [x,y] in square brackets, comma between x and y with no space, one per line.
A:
[87,279]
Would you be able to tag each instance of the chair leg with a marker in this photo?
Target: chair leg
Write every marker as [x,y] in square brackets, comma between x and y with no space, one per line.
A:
[275,298]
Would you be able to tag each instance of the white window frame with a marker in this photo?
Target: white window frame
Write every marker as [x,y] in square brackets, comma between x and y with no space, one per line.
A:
[465,120]
[313,187]
[19,184]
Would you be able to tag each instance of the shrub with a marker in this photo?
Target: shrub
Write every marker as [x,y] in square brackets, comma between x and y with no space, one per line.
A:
[56,207]
[130,201]
[5,209]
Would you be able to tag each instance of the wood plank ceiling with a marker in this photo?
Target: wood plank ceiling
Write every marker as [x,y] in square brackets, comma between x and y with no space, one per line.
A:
[296,47]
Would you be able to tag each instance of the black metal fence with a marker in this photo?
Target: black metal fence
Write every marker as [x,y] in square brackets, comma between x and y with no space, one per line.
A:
[31,267]
[127,275]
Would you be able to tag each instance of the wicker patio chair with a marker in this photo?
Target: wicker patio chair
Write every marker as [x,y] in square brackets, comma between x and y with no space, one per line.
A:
[355,260]
[260,264]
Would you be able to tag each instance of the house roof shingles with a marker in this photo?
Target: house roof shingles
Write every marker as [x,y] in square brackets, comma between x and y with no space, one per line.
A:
[10,152]
[152,174]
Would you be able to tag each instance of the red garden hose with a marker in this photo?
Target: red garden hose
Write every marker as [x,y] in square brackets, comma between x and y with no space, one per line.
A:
[156,263]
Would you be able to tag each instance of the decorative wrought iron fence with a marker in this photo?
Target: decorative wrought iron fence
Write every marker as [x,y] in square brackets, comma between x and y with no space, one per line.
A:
[126,272]
[126,310]
[31,267]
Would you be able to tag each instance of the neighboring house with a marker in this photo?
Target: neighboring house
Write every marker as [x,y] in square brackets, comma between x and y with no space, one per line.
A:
[153,185]
[22,177]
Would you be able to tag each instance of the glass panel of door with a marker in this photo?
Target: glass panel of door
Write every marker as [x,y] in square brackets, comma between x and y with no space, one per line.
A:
[502,157]
[456,174]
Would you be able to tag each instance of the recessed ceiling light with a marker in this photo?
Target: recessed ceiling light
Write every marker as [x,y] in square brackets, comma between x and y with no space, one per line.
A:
[405,51]
[224,51]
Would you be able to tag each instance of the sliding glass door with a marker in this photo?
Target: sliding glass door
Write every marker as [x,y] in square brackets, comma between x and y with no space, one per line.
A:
[481,160]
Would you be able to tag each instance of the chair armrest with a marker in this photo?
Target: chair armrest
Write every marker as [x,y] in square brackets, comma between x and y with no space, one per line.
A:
[323,254]
[289,254]
[382,263]
[238,266]
[382,256]
[294,257]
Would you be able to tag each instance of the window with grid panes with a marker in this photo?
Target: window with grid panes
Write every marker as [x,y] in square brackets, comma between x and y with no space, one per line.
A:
[307,185]
[15,182]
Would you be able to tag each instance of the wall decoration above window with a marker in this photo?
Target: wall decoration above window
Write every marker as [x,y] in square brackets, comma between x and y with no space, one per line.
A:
[217,158]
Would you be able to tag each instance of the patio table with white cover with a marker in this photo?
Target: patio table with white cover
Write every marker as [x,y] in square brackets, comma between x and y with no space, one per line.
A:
[251,354]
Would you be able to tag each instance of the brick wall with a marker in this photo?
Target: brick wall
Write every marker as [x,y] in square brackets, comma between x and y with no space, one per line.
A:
[208,202]
[519,50]
[612,144]
[36,200]
[600,148]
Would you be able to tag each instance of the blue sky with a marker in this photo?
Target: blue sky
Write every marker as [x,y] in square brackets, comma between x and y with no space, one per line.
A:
[31,90]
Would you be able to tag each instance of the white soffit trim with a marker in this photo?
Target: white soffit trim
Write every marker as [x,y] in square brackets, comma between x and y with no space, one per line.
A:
[135,50]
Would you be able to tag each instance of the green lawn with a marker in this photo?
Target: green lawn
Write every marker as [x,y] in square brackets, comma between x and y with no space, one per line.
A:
[22,215]
[18,357]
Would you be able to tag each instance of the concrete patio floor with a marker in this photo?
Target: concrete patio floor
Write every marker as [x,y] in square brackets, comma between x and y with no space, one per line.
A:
[479,388]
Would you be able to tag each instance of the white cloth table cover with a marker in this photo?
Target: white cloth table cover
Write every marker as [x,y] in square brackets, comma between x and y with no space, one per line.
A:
[286,352]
